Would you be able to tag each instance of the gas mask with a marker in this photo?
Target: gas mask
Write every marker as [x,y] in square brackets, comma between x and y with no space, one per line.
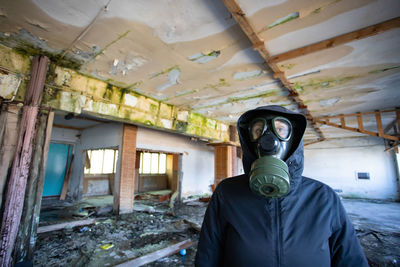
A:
[270,138]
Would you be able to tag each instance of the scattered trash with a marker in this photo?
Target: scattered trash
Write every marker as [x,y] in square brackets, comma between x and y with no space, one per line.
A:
[107,246]
[182,252]
[84,229]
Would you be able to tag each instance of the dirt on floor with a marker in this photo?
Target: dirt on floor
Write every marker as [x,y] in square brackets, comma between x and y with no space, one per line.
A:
[114,239]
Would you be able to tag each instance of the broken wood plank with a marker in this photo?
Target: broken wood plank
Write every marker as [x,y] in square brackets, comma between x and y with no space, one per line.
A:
[338,40]
[66,180]
[157,254]
[55,227]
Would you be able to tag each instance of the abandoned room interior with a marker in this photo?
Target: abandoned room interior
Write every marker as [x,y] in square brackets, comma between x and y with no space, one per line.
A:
[118,119]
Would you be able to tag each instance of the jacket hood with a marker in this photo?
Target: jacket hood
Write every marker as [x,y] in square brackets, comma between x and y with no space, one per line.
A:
[295,159]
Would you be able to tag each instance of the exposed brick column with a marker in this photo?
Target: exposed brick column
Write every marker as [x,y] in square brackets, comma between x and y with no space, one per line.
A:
[233,138]
[128,163]
[223,161]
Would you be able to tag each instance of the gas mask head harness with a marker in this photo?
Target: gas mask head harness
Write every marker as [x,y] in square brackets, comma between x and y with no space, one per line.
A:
[270,139]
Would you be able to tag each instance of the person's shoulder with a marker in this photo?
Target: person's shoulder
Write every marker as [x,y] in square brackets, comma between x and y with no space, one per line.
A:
[318,187]
[233,183]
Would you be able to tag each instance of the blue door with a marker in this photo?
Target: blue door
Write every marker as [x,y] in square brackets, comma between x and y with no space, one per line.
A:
[56,168]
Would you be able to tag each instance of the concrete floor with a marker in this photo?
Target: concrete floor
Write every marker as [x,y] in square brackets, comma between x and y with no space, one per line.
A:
[378,215]
[377,224]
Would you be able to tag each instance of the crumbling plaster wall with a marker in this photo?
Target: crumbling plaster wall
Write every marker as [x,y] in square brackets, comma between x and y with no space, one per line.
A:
[197,158]
[337,161]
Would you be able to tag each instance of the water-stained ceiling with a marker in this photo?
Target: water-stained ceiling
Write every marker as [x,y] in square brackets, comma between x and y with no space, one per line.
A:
[193,54]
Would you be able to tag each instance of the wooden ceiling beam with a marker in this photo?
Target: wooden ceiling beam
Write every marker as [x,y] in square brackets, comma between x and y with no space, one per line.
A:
[338,40]
[378,118]
[258,44]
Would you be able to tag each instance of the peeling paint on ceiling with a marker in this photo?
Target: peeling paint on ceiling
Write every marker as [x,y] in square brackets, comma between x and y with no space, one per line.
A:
[193,55]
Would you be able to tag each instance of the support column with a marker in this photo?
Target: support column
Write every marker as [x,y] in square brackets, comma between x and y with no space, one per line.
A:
[233,138]
[125,194]
[14,198]
[33,199]
[223,161]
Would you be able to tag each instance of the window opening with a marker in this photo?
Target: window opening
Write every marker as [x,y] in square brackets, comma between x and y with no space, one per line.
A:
[153,163]
[102,161]
[363,175]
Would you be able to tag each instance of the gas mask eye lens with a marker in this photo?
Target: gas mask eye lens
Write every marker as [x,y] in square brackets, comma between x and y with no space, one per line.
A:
[257,128]
[282,128]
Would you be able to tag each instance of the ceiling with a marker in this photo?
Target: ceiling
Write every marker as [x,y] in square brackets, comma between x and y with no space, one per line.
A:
[193,53]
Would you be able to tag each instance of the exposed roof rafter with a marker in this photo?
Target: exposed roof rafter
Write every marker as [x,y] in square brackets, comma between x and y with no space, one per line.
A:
[258,44]
[360,126]
[339,40]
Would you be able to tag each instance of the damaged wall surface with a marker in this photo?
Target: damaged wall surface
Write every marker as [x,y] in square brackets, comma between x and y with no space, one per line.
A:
[337,162]
[197,158]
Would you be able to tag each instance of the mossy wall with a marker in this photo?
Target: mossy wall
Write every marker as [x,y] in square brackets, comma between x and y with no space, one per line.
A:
[70,91]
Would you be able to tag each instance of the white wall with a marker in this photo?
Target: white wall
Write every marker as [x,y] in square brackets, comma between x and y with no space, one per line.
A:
[61,135]
[335,162]
[197,158]
[102,136]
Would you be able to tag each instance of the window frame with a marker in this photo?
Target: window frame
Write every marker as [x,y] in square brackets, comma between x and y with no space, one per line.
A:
[114,164]
[141,163]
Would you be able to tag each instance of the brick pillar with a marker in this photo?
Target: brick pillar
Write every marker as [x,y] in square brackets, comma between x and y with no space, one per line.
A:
[223,160]
[128,163]
[232,138]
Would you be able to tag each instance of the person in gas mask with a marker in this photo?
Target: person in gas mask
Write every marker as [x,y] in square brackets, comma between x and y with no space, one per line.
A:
[271,215]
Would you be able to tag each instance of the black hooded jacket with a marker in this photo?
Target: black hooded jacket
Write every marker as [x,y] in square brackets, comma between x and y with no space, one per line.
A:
[306,227]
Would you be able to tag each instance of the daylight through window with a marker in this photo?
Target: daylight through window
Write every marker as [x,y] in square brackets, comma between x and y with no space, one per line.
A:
[153,163]
[101,161]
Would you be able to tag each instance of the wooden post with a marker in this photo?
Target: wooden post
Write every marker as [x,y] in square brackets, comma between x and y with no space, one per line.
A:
[22,160]
[342,121]
[379,123]
[28,215]
[360,122]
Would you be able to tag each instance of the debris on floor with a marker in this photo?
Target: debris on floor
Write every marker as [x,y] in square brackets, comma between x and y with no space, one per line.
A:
[153,234]
[115,239]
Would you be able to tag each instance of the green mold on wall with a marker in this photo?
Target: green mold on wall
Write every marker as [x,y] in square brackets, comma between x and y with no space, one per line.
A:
[315,84]
[288,66]
[108,93]
[166,111]
[181,126]
[111,43]
[165,71]
[383,70]
[244,98]
[14,61]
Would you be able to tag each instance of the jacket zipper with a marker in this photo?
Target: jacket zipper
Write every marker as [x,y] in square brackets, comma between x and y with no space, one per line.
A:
[278,232]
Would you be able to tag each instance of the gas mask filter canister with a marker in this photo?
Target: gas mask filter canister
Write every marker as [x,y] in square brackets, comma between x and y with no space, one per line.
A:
[269,174]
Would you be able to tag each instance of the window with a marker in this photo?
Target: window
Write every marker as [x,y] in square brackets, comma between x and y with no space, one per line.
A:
[101,161]
[153,163]
[363,175]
